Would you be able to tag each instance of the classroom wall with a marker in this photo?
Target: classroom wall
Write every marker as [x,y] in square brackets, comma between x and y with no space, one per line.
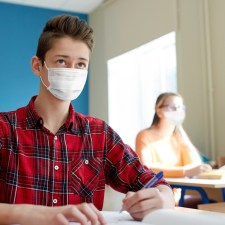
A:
[20,30]
[217,32]
[121,25]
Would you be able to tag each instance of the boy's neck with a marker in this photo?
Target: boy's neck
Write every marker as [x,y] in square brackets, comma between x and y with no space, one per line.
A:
[53,111]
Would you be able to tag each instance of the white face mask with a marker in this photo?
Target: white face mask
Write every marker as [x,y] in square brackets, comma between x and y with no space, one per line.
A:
[65,83]
[175,117]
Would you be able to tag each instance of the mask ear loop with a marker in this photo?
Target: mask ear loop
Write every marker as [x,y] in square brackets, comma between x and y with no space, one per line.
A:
[45,65]
[41,77]
[43,82]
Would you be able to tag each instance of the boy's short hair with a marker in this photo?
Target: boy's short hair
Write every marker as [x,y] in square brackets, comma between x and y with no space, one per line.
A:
[62,26]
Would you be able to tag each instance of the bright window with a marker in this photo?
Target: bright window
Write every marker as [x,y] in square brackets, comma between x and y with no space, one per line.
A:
[135,79]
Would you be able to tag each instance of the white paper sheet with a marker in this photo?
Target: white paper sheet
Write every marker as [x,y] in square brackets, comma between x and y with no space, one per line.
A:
[117,218]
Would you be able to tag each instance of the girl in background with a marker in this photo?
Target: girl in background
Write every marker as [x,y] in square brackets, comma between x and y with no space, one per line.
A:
[165,146]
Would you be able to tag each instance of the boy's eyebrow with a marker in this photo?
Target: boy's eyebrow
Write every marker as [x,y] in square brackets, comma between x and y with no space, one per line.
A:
[66,56]
[84,59]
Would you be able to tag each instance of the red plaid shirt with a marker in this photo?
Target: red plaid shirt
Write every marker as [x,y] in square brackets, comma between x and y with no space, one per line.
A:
[70,167]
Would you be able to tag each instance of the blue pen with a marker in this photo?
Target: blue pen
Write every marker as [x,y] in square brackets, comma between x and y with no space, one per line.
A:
[154,180]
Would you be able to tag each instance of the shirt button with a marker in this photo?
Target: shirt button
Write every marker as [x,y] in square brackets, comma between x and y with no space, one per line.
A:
[54,201]
[56,167]
[55,138]
[86,161]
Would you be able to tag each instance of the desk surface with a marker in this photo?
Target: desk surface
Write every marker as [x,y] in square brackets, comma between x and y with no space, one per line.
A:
[197,182]
[184,216]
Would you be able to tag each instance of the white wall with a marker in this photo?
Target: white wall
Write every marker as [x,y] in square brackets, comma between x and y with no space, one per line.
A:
[217,19]
[194,71]
[122,25]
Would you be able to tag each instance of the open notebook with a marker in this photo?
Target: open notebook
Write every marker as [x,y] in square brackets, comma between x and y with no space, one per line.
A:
[167,217]
[113,218]
[212,174]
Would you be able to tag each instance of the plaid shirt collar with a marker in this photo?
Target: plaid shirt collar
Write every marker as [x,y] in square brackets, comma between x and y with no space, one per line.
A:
[34,120]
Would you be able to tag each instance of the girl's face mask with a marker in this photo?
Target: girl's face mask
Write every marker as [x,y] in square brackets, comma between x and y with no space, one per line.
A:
[175,117]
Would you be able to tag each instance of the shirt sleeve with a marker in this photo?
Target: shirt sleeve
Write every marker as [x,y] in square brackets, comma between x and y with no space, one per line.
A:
[1,128]
[4,127]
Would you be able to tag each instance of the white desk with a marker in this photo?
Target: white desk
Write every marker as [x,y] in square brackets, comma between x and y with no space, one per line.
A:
[197,185]
[184,216]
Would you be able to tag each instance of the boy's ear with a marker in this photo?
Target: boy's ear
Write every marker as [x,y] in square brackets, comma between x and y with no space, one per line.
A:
[36,65]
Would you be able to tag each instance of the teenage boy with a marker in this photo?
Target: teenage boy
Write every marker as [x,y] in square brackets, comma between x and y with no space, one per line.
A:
[54,156]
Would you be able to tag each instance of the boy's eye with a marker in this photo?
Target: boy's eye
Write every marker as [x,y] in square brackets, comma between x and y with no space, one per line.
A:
[61,62]
[81,65]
